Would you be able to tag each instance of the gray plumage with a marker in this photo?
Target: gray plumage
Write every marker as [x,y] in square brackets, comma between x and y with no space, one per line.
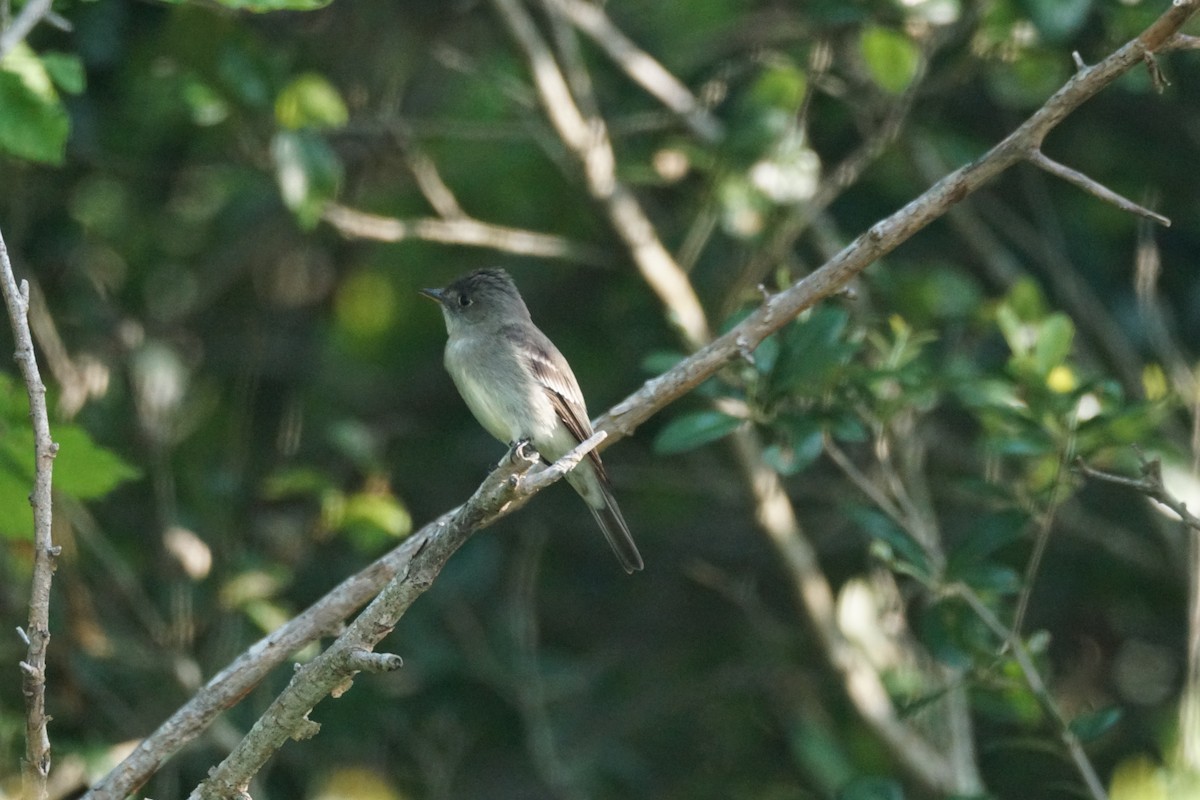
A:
[520,387]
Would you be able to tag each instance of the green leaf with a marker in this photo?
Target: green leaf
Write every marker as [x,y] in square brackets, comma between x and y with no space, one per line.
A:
[308,173]
[310,101]
[1053,342]
[905,552]
[82,468]
[891,58]
[1015,331]
[782,85]
[1095,724]
[372,519]
[694,429]
[33,123]
[990,577]
[812,350]
[66,70]
[805,441]
[991,533]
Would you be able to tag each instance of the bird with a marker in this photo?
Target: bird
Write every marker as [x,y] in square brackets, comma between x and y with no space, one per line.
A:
[521,389]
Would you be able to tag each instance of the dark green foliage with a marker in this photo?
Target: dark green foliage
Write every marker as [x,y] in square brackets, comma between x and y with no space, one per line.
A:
[268,411]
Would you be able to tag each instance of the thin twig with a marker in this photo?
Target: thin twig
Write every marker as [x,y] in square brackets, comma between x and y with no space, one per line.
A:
[1181,41]
[1044,162]
[1150,484]
[36,766]
[430,182]
[458,231]
[860,680]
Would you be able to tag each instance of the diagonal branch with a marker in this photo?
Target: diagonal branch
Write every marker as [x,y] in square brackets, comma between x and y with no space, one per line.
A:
[1044,162]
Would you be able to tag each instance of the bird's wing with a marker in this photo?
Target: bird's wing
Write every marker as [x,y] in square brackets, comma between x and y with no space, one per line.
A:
[554,374]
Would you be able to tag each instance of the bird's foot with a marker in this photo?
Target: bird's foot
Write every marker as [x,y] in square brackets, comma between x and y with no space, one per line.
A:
[523,450]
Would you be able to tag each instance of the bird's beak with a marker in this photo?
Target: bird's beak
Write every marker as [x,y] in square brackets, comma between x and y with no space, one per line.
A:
[437,295]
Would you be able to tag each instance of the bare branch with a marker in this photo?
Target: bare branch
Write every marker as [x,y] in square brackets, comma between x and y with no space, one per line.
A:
[1042,161]
[641,67]
[430,182]
[1150,484]
[1181,41]
[366,661]
[457,231]
[36,767]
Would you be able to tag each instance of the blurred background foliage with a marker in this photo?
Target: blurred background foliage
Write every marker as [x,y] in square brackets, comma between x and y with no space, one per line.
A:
[251,403]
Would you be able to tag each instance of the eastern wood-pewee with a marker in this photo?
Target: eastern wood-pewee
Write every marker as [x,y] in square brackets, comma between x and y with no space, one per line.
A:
[520,388]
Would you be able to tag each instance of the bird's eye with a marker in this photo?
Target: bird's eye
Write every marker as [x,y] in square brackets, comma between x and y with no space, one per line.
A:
[464,301]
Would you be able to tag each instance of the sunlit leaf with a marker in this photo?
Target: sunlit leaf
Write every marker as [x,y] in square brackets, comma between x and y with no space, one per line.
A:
[310,101]
[66,70]
[85,470]
[33,122]
[891,57]
[1053,345]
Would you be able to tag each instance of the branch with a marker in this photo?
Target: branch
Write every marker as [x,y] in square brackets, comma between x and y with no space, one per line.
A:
[1150,484]
[36,766]
[225,689]
[506,489]
[1041,161]
[463,231]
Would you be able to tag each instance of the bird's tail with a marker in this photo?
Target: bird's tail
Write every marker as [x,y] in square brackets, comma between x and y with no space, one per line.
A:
[616,531]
